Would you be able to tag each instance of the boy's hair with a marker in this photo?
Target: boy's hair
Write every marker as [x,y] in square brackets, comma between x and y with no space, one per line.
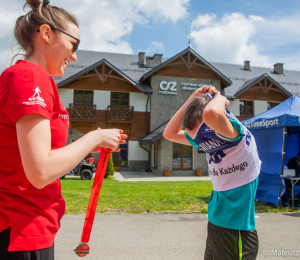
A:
[193,112]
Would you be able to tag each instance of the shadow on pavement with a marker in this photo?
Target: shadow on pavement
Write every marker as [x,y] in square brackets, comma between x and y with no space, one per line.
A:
[297,215]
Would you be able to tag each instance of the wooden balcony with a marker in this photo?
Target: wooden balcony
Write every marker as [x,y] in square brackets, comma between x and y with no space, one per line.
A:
[120,114]
[82,113]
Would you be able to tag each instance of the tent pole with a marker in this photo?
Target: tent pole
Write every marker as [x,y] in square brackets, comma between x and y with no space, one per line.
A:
[282,165]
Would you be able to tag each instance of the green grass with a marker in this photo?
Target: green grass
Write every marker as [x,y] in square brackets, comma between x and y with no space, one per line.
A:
[143,197]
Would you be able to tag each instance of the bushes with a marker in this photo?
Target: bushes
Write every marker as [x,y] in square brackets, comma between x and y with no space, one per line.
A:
[110,168]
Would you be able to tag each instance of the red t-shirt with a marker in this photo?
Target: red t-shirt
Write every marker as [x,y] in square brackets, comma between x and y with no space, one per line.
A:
[33,214]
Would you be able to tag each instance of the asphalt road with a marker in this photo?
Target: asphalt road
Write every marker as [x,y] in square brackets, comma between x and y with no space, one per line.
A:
[169,236]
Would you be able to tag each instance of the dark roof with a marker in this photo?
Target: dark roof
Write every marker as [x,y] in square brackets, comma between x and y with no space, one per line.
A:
[236,73]
[181,53]
[125,63]
[251,82]
[128,65]
[154,135]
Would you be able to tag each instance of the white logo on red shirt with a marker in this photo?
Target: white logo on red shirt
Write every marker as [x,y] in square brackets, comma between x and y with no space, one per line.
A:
[36,99]
[64,117]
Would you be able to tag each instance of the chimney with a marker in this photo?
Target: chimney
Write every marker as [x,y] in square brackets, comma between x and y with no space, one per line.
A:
[157,59]
[154,61]
[141,59]
[149,62]
[246,65]
[278,68]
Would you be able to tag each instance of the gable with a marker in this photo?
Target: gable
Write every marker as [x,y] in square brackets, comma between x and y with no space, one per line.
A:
[101,76]
[188,64]
[263,88]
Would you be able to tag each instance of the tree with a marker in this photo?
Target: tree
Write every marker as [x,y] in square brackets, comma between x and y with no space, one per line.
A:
[110,167]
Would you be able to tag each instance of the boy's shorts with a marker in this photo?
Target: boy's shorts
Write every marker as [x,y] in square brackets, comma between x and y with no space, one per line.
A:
[230,244]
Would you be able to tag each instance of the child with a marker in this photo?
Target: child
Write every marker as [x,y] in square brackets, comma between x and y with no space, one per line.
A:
[234,167]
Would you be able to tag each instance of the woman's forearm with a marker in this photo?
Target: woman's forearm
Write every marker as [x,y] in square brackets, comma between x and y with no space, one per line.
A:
[43,165]
[61,161]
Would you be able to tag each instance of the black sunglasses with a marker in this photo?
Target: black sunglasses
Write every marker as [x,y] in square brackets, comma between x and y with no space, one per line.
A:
[75,45]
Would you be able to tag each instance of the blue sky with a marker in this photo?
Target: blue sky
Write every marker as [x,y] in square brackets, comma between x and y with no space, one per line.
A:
[264,32]
[174,36]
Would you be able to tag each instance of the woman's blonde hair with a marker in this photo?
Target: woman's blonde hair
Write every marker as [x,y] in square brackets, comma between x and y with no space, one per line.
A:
[41,13]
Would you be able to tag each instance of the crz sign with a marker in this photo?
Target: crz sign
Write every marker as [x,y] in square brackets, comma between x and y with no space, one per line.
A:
[168,88]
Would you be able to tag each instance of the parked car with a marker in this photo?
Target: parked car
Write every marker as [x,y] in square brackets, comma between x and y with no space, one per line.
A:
[84,169]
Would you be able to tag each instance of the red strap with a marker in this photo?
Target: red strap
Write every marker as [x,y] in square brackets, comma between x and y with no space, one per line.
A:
[98,180]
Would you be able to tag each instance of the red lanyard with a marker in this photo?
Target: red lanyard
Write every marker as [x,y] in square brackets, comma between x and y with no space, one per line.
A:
[83,248]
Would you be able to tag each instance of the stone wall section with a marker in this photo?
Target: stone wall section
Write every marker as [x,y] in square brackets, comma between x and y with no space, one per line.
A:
[135,166]
[163,107]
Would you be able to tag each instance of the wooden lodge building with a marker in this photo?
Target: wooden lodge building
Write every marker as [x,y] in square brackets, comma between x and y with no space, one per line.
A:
[140,94]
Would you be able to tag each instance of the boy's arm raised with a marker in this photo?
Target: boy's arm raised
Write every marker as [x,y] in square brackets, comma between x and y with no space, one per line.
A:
[173,131]
[215,118]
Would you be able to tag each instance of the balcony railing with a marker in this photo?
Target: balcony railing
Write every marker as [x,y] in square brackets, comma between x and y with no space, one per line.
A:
[120,114]
[82,112]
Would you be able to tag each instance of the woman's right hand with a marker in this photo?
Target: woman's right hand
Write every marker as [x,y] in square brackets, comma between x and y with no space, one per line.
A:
[109,138]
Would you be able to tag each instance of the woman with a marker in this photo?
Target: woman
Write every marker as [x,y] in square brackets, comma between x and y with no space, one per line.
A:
[34,128]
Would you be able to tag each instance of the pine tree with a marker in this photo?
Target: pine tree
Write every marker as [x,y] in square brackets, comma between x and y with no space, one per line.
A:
[110,167]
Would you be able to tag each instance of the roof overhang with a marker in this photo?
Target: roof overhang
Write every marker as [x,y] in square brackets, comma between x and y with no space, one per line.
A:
[226,80]
[153,136]
[95,65]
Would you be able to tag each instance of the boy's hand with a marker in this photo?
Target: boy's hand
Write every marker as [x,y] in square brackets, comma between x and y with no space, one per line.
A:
[200,92]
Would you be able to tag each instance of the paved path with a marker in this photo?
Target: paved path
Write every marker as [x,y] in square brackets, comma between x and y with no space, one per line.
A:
[168,236]
[149,176]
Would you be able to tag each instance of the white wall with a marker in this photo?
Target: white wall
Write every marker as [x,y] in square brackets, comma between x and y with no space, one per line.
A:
[234,107]
[136,153]
[260,107]
[139,100]
[66,96]
[101,99]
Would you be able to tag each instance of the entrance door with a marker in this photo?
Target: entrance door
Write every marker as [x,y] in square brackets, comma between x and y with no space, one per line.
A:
[182,156]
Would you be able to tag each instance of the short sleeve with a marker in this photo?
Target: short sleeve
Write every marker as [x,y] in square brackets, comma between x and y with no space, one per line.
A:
[191,141]
[235,123]
[29,91]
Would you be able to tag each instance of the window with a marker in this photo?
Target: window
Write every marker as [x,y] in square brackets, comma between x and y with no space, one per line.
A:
[82,97]
[119,99]
[246,108]
[155,155]
[271,105]
[121,158]
[182,156]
